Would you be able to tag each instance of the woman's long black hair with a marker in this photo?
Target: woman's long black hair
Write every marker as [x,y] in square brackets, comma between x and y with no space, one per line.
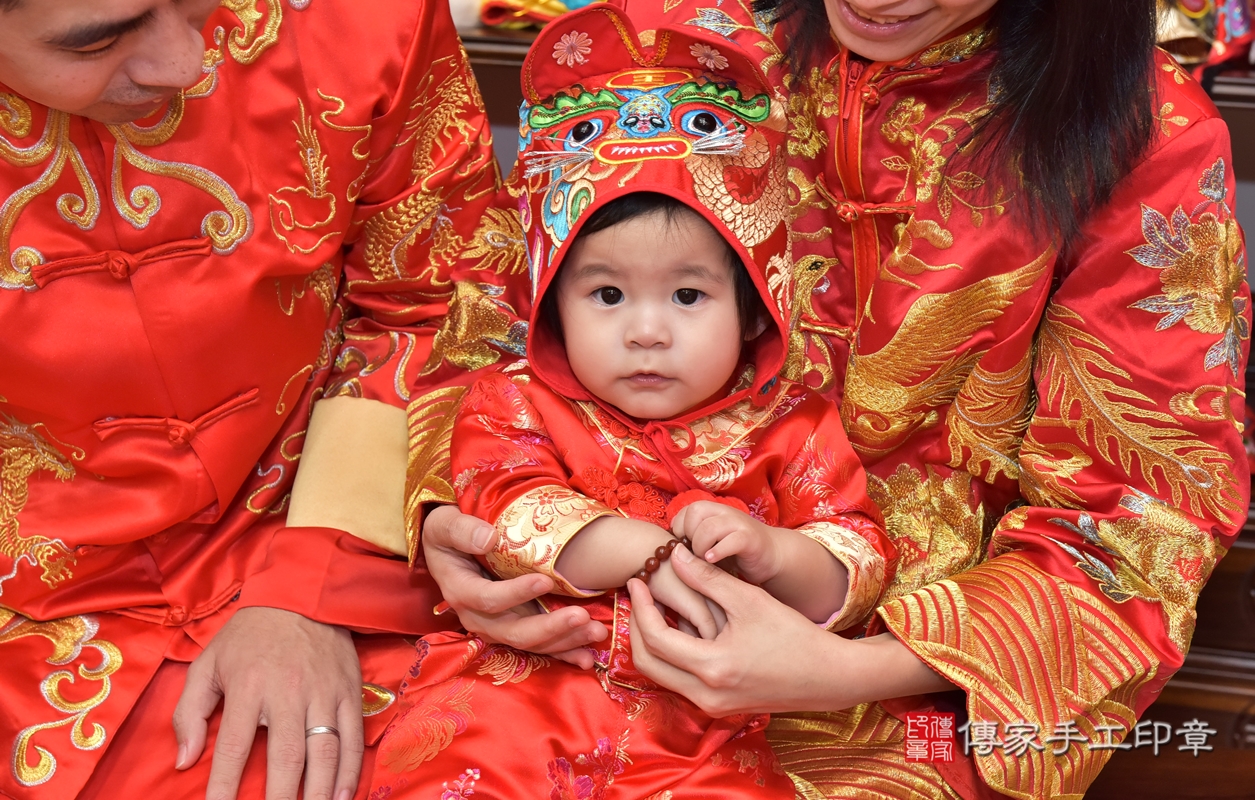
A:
[1074,108]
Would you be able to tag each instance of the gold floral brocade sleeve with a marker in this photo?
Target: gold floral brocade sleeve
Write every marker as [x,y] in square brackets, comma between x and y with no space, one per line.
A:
[1135,471]
[535,527]
[865,568]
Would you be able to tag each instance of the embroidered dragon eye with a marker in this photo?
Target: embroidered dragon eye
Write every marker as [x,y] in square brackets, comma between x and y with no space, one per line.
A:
[583,132]
[700,123]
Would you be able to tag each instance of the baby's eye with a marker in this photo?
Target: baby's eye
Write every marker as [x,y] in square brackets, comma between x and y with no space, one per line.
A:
[687,297]
[609,295]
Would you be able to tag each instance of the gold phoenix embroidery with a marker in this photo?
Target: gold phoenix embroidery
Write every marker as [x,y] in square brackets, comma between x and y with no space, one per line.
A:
[990,415]
[1029,648]
[23,452]
[69,637]
[794,291]
[431,419]
[1081,383]
[896,389]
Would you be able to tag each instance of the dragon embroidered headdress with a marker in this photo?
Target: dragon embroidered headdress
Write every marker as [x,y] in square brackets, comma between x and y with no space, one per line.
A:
[609,111]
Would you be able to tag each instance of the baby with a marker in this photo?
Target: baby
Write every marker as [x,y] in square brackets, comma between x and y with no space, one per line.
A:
[649,416]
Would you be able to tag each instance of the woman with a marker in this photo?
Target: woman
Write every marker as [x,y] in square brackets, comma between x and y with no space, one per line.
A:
[996,222]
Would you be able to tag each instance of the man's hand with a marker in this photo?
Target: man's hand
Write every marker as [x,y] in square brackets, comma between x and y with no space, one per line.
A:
[719,532]
[279,670]
[495,610]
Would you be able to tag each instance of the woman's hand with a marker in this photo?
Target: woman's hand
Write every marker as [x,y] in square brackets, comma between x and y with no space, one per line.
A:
[768,658]
[501,611]
[694,609]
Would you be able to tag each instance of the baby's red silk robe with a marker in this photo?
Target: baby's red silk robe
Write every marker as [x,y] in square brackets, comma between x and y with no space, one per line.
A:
[542,467]
[175,294]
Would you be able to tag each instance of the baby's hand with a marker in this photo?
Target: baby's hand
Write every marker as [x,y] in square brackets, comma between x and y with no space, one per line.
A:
[718,532]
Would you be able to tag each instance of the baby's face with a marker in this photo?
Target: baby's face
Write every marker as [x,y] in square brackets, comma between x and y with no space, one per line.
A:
[649,314]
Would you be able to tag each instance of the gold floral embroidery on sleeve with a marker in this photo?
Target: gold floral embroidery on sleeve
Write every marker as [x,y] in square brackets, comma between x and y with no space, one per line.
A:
[1158,556]
[1201,269]
[534,529]
[932,524]
[864,566]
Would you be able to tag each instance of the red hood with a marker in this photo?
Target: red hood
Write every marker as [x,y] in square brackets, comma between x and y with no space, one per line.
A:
[607,114]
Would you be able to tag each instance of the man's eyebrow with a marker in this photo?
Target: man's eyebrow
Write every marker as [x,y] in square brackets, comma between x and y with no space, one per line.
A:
[91,33]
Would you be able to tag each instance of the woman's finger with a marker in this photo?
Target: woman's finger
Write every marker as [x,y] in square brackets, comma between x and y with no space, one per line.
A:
[734,596]
[690,605]
[646,622]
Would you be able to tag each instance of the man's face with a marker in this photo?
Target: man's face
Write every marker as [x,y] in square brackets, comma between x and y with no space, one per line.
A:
[115,61]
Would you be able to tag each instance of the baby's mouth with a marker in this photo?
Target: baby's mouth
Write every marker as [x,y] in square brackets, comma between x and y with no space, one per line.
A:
[648,378]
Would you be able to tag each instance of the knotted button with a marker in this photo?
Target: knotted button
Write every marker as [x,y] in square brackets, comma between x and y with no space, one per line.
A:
[871,95]
[121,265]
[847,211]
[180,433]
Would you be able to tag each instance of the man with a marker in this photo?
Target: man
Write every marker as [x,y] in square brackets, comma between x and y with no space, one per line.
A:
[227,236]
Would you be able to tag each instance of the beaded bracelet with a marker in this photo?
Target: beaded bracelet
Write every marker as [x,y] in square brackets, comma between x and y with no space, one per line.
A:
[654,562]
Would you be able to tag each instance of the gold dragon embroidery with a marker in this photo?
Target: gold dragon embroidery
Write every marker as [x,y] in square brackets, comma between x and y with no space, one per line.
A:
[23,452]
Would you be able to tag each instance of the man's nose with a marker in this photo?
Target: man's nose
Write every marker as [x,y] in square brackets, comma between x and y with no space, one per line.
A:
[171,55]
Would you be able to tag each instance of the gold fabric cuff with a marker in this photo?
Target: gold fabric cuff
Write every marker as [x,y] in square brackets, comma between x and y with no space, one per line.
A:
[535,527]
[864,566]
[1034,652]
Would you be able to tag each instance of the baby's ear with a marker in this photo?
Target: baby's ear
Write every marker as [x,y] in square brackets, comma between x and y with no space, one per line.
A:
[756,328]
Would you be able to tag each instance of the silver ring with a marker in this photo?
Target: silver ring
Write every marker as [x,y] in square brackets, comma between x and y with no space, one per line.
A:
[321,729]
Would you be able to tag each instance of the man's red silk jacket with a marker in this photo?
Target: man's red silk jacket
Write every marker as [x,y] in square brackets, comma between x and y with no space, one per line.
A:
[175,294]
